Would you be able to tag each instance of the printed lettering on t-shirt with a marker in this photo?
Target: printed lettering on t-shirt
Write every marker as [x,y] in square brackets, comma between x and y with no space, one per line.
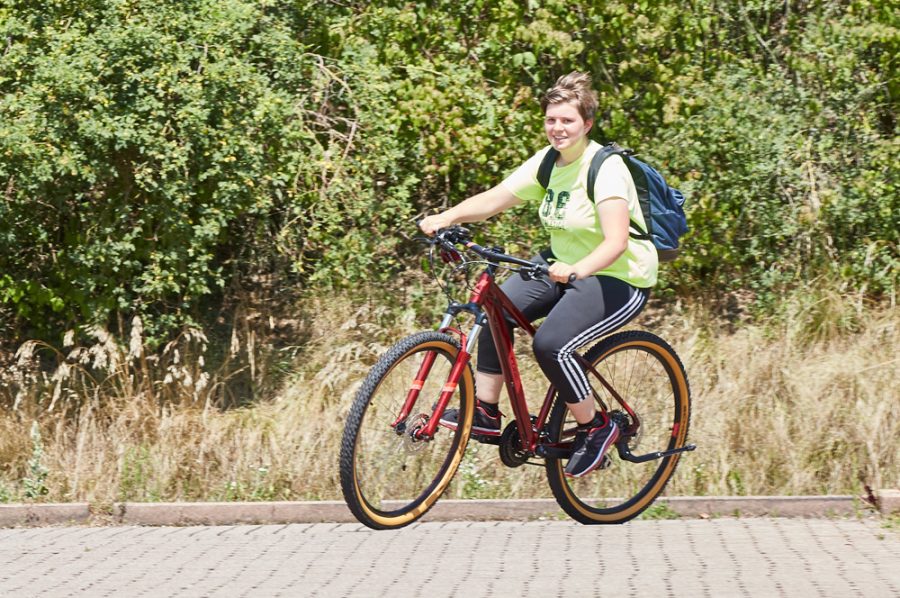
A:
[553,213]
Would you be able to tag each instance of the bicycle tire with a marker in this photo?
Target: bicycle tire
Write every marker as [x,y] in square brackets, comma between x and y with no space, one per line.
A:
[390,479]
[649,375]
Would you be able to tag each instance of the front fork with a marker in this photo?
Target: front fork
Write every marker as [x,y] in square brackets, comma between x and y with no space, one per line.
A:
[471,338]
[427,431]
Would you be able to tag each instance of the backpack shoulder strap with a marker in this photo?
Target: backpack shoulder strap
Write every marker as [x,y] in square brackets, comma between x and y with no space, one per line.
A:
[637,175]
[597,161]
[642,186]
[546,167]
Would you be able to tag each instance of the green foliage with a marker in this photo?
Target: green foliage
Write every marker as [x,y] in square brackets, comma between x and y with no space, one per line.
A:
[659,511]
[34,484]
[474,484]
[787,162]
[152,151]
[135,475]
[159,157]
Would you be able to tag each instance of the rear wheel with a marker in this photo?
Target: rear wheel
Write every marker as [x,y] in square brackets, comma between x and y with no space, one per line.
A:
[389,475]
[648,375]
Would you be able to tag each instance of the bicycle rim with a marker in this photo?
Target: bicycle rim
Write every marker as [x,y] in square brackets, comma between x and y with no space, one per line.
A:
[388,477]
[649,376]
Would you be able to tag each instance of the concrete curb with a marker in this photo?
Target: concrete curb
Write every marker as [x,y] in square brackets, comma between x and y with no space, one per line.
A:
[44,514]
[888,501]
[772,506]
[232,513]
[224,513]
[475,510]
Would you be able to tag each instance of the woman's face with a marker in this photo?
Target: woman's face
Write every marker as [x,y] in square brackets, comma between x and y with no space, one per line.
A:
[564,126]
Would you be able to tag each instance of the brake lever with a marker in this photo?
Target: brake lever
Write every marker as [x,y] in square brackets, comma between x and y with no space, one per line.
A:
[532,274]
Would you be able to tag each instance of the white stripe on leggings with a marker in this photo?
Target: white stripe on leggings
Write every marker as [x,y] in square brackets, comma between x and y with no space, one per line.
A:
[574,374]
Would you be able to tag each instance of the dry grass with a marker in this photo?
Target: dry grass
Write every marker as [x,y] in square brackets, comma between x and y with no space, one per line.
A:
[776,410]
[776,414]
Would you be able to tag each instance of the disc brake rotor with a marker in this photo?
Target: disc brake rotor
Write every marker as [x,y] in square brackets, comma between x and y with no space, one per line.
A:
[414,423]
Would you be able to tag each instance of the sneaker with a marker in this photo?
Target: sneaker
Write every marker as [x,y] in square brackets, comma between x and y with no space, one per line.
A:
[484,423]
[591,446]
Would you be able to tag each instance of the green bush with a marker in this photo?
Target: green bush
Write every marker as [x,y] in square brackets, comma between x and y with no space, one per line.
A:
[161,157]
[152,152]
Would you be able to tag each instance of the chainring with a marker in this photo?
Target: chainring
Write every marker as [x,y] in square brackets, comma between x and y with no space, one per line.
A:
[511,452]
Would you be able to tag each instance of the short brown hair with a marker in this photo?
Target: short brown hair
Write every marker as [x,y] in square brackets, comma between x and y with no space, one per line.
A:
[574,87]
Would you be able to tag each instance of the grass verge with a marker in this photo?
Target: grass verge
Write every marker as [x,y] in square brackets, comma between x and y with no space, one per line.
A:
[776,411]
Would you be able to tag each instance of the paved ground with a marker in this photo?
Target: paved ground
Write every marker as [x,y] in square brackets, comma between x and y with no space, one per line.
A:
[718,557]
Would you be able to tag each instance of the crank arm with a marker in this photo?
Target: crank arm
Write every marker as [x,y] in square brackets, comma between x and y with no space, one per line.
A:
[625,453]
[554,452]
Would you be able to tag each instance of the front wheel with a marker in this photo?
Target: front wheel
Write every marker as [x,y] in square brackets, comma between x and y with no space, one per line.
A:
[647,374]
[390,475]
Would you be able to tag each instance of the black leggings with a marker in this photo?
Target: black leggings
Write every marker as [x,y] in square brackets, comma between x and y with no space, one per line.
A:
[577,314]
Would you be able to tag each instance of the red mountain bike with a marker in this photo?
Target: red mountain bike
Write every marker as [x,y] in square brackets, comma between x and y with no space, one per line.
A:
[396,460]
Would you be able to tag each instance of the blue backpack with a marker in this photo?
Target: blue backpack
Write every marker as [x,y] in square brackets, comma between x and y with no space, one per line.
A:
[662,206]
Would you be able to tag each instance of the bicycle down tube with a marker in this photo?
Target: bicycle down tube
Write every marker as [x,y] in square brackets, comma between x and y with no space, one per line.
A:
[497,304]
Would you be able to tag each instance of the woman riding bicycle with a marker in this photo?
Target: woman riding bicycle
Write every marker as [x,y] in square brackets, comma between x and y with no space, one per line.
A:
[613,272]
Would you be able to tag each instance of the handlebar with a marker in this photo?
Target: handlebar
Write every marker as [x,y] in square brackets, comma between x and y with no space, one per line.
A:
[448,238]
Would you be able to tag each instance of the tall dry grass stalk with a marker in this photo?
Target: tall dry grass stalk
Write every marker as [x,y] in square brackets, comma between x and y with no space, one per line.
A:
[773,412]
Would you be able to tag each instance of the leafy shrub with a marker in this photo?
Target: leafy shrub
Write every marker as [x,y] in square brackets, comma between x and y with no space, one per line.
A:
[157,158]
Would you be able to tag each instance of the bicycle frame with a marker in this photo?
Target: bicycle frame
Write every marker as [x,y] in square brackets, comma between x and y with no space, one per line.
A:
[488,304]
[392,473]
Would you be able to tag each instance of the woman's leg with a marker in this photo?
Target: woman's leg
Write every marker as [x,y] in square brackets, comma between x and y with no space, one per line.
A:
[535,299]
[588,310]
[488,386]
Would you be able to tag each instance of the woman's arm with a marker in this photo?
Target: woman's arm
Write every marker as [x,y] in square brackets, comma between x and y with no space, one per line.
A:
[474,209]
[614,220]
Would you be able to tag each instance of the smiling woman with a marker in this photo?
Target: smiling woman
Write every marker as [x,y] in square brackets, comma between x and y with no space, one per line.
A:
[603,276]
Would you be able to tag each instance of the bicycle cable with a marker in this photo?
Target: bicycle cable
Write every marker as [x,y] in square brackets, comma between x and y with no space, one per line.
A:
[446,241]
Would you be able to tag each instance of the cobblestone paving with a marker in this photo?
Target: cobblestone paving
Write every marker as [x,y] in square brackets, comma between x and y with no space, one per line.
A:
[696,558]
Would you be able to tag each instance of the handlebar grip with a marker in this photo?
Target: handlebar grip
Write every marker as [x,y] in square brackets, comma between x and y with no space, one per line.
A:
[545,270]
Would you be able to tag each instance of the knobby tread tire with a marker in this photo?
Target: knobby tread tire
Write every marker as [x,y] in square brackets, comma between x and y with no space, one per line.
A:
[365,513]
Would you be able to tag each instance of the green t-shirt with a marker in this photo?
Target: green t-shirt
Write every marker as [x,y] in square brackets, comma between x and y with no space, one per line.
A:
[572,218]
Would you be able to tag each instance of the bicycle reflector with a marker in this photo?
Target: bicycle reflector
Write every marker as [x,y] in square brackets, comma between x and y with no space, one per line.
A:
[450,255]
